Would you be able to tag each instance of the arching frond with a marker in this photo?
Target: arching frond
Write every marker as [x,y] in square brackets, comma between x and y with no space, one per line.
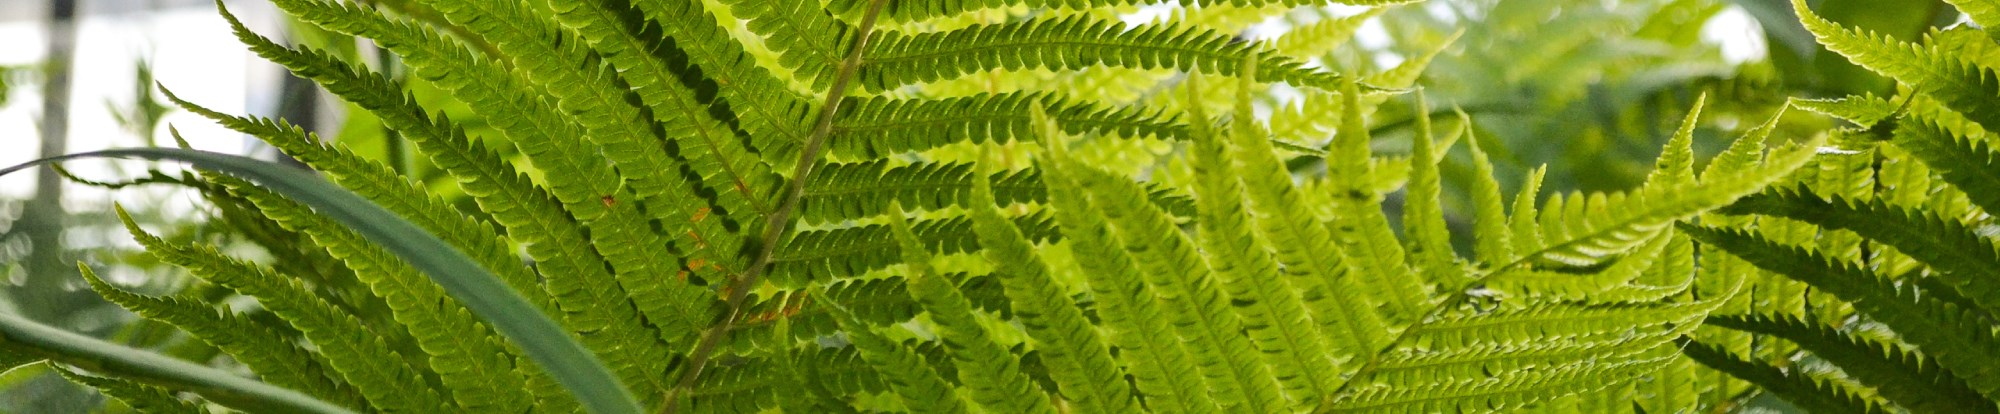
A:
[1804,391]
[1902,376]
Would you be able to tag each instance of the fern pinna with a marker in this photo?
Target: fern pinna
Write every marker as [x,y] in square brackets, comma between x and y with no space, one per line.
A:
[743,206]
[1888,232]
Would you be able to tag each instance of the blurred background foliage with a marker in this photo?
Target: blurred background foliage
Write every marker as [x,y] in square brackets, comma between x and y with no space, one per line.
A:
[1588,89]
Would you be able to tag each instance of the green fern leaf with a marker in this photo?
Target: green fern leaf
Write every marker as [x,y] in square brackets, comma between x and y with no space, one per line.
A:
[1587,229]
[349,347]
[808,41]
[1523,224]
[1360,227]
[1303,246]
[1166,258]
[270,355]
[531,216]
[877,127]
[1960,339]
[1322,37]
[1429,241]
[1910,380]
[141,397]
[1513,359]
[853,251]
[1272,311]
[1963,86]
[1802,390]
[1152,353]
[1969,164]
[451,338]
[926,9]
[1493,242]
[861,190]
[1068,44]
[989,371]
[920,387]
[1077,358]
[1958,256]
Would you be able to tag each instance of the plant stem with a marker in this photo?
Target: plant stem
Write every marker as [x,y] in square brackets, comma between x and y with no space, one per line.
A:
[776,223]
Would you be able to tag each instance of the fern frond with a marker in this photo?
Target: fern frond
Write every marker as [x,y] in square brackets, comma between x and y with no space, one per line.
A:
[1272,312]
[1322,37]
[919,386]
[1984,12]
[550,140]
[1360,227]
[452,338]
[1492,240]
[1962,340]
[1428,241]
[1964,86]
[141,397]
[1078,360]
[877,127]
[1969,164]
[1163,370]
[1556,285]
[808,41]
[1902,376]
[1800,389]
[268,354]
[1464,385]
[1958,255]
[350,348]
[852,251]
[1303,246]
[860,190]
[776,119]
[531,215]
[1589,228]
[1166,257]
[1068,44]
[989,371]
[927,9]
[1523,224]
[1674,273]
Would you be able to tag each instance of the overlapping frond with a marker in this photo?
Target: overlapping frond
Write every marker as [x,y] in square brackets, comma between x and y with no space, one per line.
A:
[1910,380]
[1960,338]
[1071,347]
[875,127]
[141,397]
[1068,44]
[1802,390]
[1962,85]
[991,373]
[1584,229]
[1958,255]
[925,9]
[269,354]
[350,348]
[862,190]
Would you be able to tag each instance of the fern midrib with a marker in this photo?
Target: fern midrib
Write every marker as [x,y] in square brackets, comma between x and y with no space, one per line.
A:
[777,222]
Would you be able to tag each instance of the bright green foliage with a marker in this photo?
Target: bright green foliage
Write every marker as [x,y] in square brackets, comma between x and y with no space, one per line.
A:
[710,197]
[1897,209]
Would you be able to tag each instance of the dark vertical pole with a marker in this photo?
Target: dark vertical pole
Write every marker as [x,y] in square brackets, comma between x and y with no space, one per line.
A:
[43,218]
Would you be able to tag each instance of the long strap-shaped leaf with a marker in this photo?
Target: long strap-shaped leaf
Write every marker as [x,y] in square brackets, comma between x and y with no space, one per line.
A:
[477,288]
[18,335]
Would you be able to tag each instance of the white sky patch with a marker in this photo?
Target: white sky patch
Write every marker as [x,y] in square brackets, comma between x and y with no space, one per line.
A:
[1738,34]
[190,50]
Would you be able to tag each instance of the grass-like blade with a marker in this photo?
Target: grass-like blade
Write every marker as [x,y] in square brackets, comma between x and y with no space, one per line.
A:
[19,335]
[481,292]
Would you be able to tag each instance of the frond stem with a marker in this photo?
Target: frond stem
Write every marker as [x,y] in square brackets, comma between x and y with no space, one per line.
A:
[778,220]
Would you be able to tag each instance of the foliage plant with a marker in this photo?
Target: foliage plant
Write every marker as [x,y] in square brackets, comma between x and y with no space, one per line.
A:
[1886,299]
[739,206]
